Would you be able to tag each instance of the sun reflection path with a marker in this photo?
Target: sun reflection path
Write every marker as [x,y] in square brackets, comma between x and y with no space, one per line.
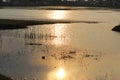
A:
[59,31]
[60,74]
[58,15]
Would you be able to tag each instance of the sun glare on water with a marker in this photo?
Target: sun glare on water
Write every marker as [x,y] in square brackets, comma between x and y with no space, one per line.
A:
[57,15]
[59,32]
[60,74]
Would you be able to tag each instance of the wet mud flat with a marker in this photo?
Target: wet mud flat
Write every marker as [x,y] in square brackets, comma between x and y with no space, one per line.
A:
[22,24]
[16,24]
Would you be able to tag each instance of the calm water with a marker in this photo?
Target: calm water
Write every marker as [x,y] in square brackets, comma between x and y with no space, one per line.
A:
[75,51]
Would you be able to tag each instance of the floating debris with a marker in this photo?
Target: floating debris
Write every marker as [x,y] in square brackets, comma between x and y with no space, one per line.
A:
[62,56]
[72,52]
[66,57]
[95,58]
[33,44]
[88,55]
[43,57]
[116,28]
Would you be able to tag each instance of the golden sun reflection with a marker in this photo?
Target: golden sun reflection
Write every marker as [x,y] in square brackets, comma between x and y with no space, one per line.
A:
[59,33]
[58,14]
[57,74]
[59,29]
[60,74]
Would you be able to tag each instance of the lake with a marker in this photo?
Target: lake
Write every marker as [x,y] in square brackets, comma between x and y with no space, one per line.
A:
[84,50]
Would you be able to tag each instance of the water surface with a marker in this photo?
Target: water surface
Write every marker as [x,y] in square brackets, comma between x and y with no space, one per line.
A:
[65,51]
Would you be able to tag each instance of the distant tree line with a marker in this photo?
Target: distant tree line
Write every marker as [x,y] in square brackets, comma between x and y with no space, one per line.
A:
[95,3]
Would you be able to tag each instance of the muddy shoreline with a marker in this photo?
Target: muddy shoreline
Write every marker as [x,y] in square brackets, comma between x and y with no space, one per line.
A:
[22,24]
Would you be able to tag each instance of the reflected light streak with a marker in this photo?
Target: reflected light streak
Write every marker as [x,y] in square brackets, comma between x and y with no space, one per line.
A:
[59,32]
[58,15]
[57,74]
[60,74]
[59,29]
[57,41]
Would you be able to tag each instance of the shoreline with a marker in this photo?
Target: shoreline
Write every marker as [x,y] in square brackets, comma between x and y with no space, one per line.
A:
[21,24]
[59,7]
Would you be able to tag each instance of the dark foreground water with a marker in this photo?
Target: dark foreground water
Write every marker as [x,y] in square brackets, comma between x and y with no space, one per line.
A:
[65,51]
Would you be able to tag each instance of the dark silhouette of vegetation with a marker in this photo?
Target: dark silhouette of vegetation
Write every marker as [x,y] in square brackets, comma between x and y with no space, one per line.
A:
[116,28]
[92,3]
[2,77]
